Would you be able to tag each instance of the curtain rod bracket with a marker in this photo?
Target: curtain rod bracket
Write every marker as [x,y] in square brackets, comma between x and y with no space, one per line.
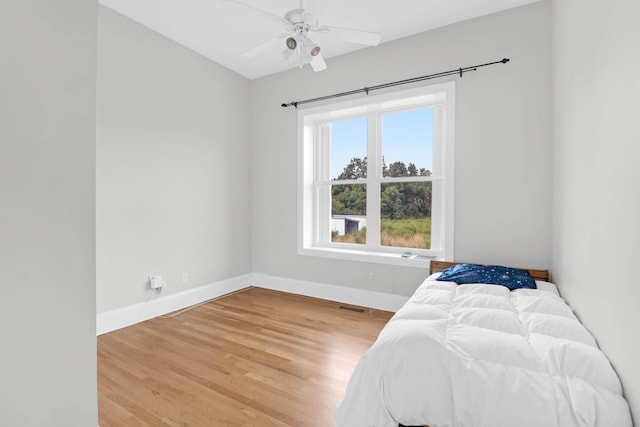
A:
[366,90]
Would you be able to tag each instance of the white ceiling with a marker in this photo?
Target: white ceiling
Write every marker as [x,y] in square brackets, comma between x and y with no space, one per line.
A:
[222,31]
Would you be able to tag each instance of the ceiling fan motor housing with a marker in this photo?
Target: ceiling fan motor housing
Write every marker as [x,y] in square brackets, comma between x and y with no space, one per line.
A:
[295,16]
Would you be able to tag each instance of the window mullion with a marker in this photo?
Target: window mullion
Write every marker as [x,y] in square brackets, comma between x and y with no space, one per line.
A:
[437,214]
[323,193]
[374,172]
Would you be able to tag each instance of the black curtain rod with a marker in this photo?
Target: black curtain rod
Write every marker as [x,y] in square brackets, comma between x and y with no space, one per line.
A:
[459,71]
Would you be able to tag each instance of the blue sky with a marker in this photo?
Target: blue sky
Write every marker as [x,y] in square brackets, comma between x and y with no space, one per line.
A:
[407,136]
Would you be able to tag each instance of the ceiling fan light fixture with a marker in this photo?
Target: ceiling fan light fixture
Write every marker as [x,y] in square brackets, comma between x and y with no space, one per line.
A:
[291,43]
[314,48]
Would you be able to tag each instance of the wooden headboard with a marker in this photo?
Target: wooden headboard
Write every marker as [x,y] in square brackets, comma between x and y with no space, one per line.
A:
[436,266]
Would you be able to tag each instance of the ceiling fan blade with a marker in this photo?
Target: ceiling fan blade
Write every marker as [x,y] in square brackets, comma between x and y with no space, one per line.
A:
[262,47]
[318,64]
[355,36]
[273,17]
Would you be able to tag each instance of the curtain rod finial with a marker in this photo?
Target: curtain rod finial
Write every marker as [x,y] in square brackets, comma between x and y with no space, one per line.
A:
[284,105]
[505,60]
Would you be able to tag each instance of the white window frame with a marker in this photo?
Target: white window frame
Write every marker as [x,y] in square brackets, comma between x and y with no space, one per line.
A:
[312,135]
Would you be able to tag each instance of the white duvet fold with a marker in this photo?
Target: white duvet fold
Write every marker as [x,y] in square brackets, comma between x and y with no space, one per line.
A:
[480,355]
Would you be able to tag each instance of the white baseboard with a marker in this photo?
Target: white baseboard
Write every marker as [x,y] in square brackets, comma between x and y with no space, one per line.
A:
[361,297]
[127,316]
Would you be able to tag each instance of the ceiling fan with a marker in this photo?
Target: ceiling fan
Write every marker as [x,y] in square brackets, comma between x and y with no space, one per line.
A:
[299,25]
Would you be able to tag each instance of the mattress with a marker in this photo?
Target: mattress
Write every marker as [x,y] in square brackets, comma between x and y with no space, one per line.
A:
[479,355]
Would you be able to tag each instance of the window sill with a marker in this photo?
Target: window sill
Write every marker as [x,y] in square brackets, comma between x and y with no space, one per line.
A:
[391,258]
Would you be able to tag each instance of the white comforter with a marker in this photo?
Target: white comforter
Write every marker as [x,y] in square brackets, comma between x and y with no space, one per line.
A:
[479,355]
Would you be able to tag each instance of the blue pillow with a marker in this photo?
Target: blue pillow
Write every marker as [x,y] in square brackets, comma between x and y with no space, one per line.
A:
[512,278]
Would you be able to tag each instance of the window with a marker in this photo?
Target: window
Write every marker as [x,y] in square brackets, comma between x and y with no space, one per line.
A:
[376,177]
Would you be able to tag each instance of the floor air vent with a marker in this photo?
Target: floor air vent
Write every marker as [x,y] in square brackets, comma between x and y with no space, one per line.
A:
[354,309]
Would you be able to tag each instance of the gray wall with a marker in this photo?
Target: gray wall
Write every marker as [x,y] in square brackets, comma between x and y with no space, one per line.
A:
[596,175]
[47,213]
[503,134]
[173,166]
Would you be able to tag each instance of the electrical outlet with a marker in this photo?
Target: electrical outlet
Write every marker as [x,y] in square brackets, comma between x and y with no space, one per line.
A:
[185,278]
[156,282]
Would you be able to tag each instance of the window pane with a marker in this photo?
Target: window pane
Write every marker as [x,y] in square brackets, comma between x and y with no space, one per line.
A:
[407,143]
[349,149]
[348,213]
[405,212]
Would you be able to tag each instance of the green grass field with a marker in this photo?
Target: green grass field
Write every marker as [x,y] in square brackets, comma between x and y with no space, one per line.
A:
[400,233]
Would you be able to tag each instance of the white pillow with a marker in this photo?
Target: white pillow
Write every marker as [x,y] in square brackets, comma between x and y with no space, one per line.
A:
[547,286]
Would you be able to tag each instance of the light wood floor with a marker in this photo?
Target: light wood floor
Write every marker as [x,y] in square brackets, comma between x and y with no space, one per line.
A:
[255,358]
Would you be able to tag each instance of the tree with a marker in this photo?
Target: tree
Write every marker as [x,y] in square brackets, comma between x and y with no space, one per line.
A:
[349,199]
[402,200]
[397,169]
[391,205]
[356,168]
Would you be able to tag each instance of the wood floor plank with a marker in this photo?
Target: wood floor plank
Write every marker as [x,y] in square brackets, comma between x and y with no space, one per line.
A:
[254,358]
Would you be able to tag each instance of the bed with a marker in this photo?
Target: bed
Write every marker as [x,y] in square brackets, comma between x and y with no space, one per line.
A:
[475,355]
